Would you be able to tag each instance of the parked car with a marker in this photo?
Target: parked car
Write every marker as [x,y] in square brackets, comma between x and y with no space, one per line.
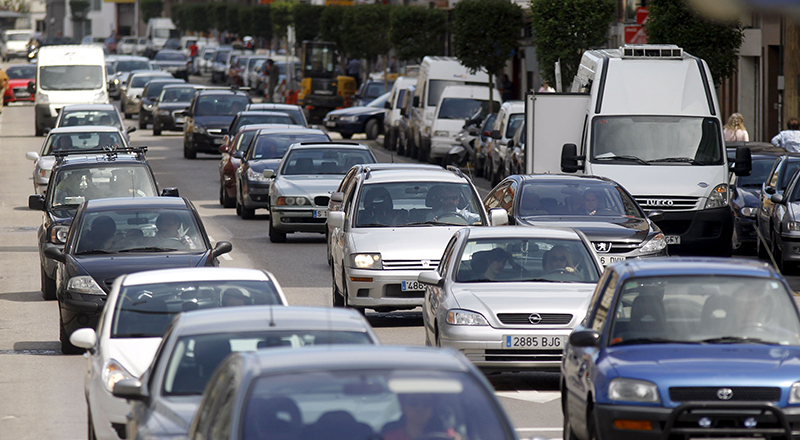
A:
[684,347]
[150,95]
[510,116]
[74,115]
[174,99]
[221,63]
[204,59]
[166,398]
[600,208]
[351,120]
[481,163]
[320,391]
[404,125]
[370,90]
[19,76]
[112,237]
[208,118]
[395,224]
[295,111]
[393,110]
[778,179]
[127,46]
[514,161]
[235,74]
[283,65]
[139,309]
[250,73]
[784,230]
[303,182]
[131,94]
[174,62]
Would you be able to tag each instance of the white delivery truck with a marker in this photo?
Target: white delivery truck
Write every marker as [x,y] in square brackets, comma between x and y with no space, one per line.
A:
[647,117]
[159,30]
[69,74]
[456,105]
[436,73]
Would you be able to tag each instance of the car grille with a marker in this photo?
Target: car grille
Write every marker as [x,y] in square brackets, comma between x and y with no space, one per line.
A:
[739,394]
[410,264]
[524,355]
[21,92]
[321,200]
[524,318]
[606,247]
[301,219]
[667,203]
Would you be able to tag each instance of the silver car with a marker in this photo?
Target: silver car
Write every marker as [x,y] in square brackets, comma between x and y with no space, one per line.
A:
[303,183]
[131,95]
[394,224]
[93,114]
[196,342]
[508,298]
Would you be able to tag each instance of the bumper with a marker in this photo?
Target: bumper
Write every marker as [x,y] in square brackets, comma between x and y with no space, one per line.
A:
[167,123]
[344,127]
[46,115]
[79,311]
[727,419]
[17,94]
[441,146]
[700,232]
[745,229]
[131,105]
[257,196]
[384,290]
[206,143]
[790,247]
[299,220]
[145,115]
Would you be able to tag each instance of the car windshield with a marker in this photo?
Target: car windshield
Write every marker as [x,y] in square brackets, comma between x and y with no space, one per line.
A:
[262,119]
[18,37]
[21,72]
[154,88]
[375,89]
[70,77]
[417,204]
[77,118]
[274,145]
[221,56]
[142,230]
[175,94]
[461,108]
[704,309]
[379,101]
[502,259]
[581,197]
[81,141]
[73,187]
[329,160]
[254,63]
[141,80]
[437,86]
[295,113]
[196,353]
[145,310]
[220,105]
[170,56]
[161,33]
[129,66]
[241,62]
[209,54]
[638,140]
[759,174]
[786,175]
[372,404]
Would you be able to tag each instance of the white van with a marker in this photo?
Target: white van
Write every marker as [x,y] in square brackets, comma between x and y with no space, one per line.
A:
[159,30]
[15,43]
[391,121]
[456,105]
[436,73]
[68,74]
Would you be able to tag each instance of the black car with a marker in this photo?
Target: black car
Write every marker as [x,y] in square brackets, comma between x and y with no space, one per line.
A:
[371,90]
[599,207]
[253,117]
[78,176]
[111,237]
[208,118]
[368,119]
[149,97]
[174,98]
[265,152]
[174,62]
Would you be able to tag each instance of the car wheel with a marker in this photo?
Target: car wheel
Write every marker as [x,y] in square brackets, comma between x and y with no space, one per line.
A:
[142,122]
[372,129]
[48,286]
[66,346]
[346,135]
[188,151]
[156,130]
[338,299]
[238,208]
[224,199]
[275,235]
[127,115]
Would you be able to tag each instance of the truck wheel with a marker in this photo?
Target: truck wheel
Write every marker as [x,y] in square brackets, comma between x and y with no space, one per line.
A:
[372,129]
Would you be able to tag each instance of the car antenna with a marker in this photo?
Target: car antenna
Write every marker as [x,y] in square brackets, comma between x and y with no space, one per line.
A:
[271,317]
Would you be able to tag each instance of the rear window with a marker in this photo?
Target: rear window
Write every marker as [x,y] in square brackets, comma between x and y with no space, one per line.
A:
[220,105]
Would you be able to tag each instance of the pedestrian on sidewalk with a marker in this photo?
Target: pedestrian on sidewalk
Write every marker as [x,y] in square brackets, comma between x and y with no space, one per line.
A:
[789,139]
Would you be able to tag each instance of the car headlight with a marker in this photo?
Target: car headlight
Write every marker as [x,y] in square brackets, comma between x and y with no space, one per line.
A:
[465,317]
[58,234]
[116,81]
[148,106]
[255,176]
[633,390]
[367,261]
[441,133]
[293,201]
[718,197]
[348,118]
[750,211]
[794,394]
[654,244]
[113,373]
[84,284]
[793,226]
[199,129]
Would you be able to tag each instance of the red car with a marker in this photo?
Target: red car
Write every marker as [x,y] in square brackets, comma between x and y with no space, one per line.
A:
[18,78]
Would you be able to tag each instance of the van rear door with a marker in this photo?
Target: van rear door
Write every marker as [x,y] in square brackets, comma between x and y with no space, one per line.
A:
[567,111]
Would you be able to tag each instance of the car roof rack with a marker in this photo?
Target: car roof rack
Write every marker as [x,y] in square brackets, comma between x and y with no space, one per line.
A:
[110,151]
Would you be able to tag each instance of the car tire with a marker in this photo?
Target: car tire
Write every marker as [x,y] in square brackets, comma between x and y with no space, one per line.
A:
[127,115]
[275,236]
[224,199]
[156,130]
[238,208]
[142,122]
[337,298]
[66,346]
[247,213]
[188,152]
[48,286]
[372,129]
[346,135]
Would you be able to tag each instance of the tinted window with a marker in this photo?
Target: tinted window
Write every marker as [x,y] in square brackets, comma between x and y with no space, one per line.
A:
[129,66]
[582,197]
[184,94]
[81,141]
[170,56]
[323,161]
[154,89]
[461,108]
[262,119]
[220,105]
[787,173]
[759,174]
[21,72]
[417,203]
[70,77]
[77,118]
[73,187]
[274,146]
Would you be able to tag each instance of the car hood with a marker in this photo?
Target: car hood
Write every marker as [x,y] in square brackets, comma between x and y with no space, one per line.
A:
[355,111]
[174,413]
[46,162]
[173,105]
[685,180]
[752,196]
[135,354]
[538,297]
[312,186]
[106,268]
[20,82]
[624,229]
[404,243]
[261,165]
[214,121]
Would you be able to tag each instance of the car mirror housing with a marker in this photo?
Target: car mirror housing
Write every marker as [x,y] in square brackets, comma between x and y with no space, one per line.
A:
[498,217]
[130,129]
[53,252]
[430,277]
[268,173]
[36,202]
[222,247]
[32,155]
[129,389]
[777,198]
[84,338]
[570,158]
[336,219]
[238,154]
[584,338]
[170,192]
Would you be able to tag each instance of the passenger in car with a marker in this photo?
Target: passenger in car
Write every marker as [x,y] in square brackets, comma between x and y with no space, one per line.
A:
[558,259]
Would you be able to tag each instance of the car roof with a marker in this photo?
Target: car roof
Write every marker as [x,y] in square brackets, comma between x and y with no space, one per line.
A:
[565,178]
[168,81]
[268,127]
[290,129]
[194,274]
[408,175]
[81,107]
[84,129]
[333,144]
[667,266]
[523,232]
[219,91]
[182,85]
[136,202]
[90,160]
[255,106]
[131,57]
[270,317]
[261,113]
[370,167]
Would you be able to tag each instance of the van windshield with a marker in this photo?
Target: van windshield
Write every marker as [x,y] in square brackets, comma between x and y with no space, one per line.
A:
[161,33]
[462,108]
[70,77]
[657,140]
[436,87]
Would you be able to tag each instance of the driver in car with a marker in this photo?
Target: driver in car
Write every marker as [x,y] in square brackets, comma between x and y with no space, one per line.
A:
[558,259]
[169,234]
[447,202]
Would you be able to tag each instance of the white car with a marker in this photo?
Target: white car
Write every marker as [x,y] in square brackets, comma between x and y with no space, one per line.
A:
[93,114]
[131,95]
[138,311]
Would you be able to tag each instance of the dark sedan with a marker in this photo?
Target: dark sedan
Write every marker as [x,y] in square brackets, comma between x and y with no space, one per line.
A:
[111,237]
[596,206]
[149,97]
[745,195]
[367,119]
[208,118]
[259,117]
[174,62]
[174,98]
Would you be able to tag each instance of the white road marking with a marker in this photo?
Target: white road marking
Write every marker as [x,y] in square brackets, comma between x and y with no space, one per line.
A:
[530,396]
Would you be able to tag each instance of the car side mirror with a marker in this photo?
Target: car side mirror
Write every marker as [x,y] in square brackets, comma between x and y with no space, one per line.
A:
[584,338]
[473,131]
[777,198]
[744,162]
[84,338]
[498,217]
[222,247]
[570,158]
[170,192]
[769,190]
[238,154]
[510,143]
[183,113]
[129,389]
[223,148]
[36,202]
[336,219]
[430,277]
[337,197]
[54,253]
[32,155]
[31,87]
[268,173]
[416,101]
[656,215]
[130,129]
[495,134]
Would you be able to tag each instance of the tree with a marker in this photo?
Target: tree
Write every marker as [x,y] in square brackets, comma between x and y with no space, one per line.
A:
[180,17]
[232,19]
[151,9]
[417,31]
[331,28]
[15,5]
[281,15]
[366,31]
[306,21]
[564,29]
[218,13]
[262,22]
[485,35]
[247,23]
[673,22]
[197,15]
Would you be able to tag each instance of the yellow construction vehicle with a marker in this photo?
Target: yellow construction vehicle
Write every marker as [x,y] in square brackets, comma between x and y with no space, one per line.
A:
[322,88]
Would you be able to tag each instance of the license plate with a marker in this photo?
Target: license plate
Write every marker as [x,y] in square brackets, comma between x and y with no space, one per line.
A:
[180,120]
[218,141]
[532,342]
[22,94]
[412,285]
[673,239]
[605,260]
[330,124]
[321,213]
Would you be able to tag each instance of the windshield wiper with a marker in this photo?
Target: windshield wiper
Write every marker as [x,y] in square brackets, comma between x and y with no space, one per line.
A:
[625,157]
[372,225]
[677,159]
[652,341]
[95,251]
[734,340]
[148,249]
[429,222]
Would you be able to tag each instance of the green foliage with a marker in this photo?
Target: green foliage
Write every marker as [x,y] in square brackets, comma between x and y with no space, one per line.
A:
[197,16]
[672,22]
[179,17]
[246,20]
[15,5]
[366,30]
[306,21]
[417,31]
[564,29]
[232,19]
[262,22]
[281,14]
[151,9]
[331,25]
[218,13]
